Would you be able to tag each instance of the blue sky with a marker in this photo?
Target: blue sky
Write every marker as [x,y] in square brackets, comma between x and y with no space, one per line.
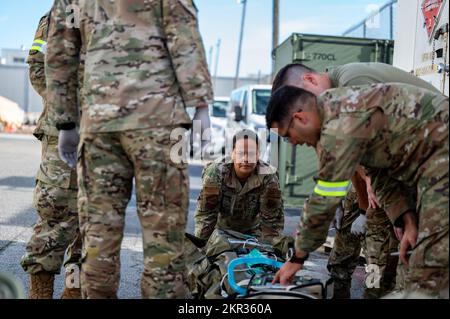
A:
[219,19]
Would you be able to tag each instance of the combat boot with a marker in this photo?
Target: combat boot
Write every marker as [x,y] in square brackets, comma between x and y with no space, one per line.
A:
[71,293]
[41,285]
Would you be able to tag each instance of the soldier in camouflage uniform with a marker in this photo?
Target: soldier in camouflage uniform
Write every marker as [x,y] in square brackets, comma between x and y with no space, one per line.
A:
[399,129]
[346,248]
[380,240]
[145,63]
[247,201]
[55,198]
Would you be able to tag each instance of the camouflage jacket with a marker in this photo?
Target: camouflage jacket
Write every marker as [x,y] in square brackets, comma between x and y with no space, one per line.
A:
[145,62]
[393,127]
[256,208]
[361,73]
[36,62]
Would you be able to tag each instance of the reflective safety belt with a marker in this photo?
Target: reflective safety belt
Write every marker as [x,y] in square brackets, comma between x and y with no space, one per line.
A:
[39,45]
[332,189]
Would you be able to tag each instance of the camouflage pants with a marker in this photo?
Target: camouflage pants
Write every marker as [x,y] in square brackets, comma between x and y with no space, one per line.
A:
[106,167]
[56,230]
[400,279]
[380,243]
[346,249]
[428,265]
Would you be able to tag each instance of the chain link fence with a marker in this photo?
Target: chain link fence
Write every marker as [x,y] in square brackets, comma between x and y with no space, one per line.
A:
[380,24]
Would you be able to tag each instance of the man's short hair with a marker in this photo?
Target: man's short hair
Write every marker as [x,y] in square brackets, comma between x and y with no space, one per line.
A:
[246,135]
[283,102]
[289,71]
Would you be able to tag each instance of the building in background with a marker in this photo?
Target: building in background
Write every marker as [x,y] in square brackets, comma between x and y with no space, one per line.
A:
[15,83]
[13,56]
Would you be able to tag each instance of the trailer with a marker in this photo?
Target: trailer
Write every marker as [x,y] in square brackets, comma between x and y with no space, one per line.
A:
[297,165]
[421,42]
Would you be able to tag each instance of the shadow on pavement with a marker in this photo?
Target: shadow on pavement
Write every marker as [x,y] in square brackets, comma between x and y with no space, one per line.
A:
[18,182]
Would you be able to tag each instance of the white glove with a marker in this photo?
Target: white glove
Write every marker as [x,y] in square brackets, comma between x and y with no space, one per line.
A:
[202,115]
[338,216]
[67,146]
[359,225]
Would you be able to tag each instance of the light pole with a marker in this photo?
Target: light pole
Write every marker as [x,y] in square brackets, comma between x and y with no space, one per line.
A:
[217,60]
[210,57]
[238,64]
[275,30]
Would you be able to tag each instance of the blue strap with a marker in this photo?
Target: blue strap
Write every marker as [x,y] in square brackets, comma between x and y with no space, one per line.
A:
[244,260]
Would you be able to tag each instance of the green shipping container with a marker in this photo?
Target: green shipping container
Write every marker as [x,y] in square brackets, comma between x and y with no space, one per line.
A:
[298,165]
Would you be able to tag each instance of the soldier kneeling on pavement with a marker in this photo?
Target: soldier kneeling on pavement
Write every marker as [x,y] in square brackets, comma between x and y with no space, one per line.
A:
[241,193]
[240,200]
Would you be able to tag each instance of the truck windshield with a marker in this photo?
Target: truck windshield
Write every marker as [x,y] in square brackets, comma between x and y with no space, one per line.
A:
[260,101]
[219,109]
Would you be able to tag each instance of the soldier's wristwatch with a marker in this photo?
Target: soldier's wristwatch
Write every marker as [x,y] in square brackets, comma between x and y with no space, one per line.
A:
[292,258]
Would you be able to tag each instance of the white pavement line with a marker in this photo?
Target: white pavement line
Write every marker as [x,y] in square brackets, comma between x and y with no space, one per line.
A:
[196,162]
[21,234]
[133,243]
[18,234]
[17,136]
[195,182]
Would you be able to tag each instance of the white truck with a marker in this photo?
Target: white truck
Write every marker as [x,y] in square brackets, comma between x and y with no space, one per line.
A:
[247,110]
[214,143]
[421,41]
